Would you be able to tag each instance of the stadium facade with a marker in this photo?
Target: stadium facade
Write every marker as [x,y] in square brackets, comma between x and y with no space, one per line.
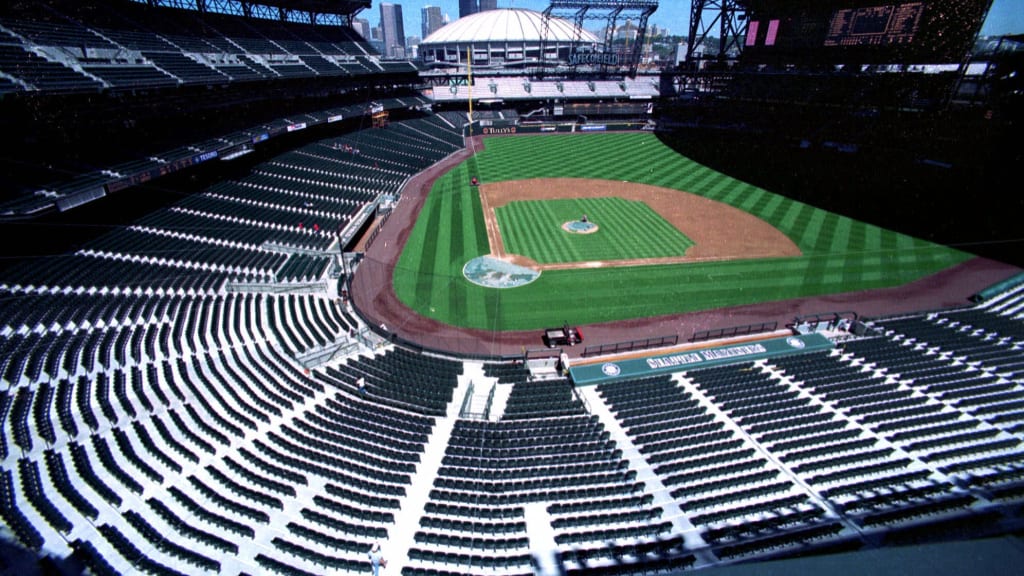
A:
[505,38]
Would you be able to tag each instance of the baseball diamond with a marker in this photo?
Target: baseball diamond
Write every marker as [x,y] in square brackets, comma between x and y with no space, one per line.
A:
[652,225]
[750,246]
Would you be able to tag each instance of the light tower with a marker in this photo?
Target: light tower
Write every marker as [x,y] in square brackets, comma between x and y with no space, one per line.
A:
[724,17]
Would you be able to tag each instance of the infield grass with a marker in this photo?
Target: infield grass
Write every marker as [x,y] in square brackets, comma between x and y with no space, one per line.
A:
[839,254]
[626,229]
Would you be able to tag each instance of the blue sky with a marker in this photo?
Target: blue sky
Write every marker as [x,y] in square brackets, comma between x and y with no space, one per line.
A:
[1005,17]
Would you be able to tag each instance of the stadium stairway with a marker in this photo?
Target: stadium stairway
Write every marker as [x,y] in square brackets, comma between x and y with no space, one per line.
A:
[744,431]
[644,472]
[486,390]
[402,536]
[708,502]
[501,394]
[292,506]
[479,390]
[201,468]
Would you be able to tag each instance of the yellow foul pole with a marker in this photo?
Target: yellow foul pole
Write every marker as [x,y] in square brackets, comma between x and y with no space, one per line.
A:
[469,86]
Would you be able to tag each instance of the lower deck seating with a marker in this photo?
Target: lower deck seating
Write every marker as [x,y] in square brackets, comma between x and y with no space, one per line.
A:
[547,450]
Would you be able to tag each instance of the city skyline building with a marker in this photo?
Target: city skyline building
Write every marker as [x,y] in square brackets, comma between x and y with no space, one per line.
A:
[392,30]
[362,26]
[431,20]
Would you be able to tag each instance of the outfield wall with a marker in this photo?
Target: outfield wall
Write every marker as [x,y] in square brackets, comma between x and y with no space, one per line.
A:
[510,128]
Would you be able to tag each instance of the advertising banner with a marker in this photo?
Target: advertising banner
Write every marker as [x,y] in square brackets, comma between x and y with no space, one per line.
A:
[694,359]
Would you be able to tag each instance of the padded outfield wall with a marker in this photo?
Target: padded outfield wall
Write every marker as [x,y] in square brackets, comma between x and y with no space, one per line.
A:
[836,254]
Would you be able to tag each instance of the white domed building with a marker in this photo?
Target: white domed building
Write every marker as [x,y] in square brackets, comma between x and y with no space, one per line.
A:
[505,38]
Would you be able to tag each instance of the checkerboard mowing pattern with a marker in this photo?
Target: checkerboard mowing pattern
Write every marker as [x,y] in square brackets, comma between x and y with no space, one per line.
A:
[625,229]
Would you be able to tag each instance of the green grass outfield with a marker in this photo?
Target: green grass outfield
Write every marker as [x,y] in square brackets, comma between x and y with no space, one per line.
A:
[626,229]
[839,254]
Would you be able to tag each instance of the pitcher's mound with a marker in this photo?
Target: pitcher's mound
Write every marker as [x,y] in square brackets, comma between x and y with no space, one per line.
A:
[580,227]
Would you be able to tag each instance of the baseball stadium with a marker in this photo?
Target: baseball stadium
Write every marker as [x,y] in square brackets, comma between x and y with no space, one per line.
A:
[284,297]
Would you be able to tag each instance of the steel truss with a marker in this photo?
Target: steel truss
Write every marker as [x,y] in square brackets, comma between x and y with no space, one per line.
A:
[727,18]
[610,11]
[323,12]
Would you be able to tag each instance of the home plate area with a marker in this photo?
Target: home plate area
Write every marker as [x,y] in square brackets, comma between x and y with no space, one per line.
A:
[491,272]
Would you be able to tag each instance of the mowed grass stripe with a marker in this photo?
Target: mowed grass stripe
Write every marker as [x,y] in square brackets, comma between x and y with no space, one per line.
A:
[758,207]
[703,179]
[809,240]
[751,197]
[659,172]
[532,219]
[721,188]
[873,241]
[473,226]
[791,223]
[775,203]
[442,252]
[421,267]
[655,290]
[653,234]
[872,257]
[626,229]
[840,237]
[456,249]
[535,225]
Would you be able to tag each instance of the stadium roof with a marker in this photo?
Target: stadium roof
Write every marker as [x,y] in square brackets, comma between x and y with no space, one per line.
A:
[511,24]
[320,6]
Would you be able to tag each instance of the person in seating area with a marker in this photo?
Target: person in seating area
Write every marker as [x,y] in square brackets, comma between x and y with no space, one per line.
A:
[377,560]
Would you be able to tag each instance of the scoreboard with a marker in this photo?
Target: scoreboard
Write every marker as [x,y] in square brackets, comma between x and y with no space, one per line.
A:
[875,25]
[861,31]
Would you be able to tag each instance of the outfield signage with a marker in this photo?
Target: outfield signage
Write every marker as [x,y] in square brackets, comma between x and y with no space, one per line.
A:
[593,59]
[696,359]
[494,130]
[534,128]
[199,158]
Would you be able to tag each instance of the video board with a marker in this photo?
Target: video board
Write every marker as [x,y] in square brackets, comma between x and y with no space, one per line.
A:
[861,31]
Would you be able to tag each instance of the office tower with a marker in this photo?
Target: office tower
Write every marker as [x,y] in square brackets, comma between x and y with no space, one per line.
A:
[362,27]
[467,7]
[431,20]
[392,30]
[488,5]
